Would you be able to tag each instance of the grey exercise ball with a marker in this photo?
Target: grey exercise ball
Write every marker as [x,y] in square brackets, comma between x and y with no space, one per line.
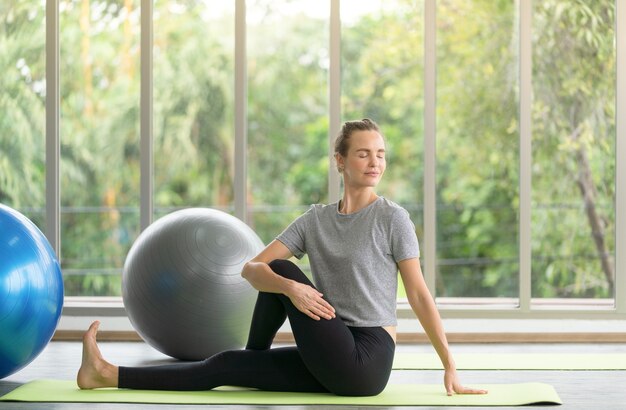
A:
[182,286]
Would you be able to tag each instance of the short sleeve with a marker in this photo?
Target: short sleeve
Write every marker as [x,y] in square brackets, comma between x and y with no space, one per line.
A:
[294,236]
[404,243]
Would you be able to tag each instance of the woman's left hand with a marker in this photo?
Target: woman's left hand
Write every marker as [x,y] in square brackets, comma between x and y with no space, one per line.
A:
[451,381]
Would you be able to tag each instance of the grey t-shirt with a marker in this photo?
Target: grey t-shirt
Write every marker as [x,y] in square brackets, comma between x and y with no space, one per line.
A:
[354,257]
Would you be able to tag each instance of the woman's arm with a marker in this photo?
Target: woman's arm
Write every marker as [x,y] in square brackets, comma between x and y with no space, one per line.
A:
[425,309]
[423,305]
[307,299]
[259,274]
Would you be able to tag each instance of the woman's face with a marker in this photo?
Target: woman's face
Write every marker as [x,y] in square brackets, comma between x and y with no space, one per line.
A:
[365,163]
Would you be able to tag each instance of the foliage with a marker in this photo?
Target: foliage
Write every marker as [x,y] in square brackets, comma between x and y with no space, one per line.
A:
[477,149]
[22,104]
[382,78]
[573,148]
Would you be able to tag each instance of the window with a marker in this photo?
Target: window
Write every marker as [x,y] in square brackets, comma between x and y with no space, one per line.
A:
[193,105]
[99,75]
[482,218]
[477,150]
[573,114]
[287,111]
[22,104]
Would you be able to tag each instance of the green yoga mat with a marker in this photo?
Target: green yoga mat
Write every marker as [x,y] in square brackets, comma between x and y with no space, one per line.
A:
[394,395]
[513,361]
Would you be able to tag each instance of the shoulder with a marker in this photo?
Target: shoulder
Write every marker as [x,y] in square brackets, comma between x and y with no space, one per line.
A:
[322,209]
[395,217]
[391,209]
[318,211]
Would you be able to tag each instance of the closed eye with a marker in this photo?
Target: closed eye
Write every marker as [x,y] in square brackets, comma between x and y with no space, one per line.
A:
[364,153]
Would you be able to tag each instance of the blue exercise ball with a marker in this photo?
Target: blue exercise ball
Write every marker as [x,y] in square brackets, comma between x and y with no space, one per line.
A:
[31,291]
[182,286]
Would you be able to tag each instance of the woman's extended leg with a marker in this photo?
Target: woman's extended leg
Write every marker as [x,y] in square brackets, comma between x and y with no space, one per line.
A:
[276,369]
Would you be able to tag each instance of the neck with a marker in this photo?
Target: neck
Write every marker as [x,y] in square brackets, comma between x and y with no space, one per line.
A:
[355,200]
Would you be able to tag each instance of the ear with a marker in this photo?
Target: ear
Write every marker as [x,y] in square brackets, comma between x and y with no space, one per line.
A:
[340,162]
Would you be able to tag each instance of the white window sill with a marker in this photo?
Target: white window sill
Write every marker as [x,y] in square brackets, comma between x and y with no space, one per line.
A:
[467,317]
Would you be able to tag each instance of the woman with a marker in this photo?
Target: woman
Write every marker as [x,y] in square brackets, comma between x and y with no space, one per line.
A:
[344,325]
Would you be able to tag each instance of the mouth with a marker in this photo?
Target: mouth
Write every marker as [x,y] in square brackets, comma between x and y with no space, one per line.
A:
[372,174]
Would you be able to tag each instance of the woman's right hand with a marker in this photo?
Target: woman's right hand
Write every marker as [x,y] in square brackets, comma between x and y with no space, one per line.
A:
[309,301]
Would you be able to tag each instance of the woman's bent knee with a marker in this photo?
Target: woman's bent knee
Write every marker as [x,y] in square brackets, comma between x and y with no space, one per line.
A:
[281,265]
[289,270]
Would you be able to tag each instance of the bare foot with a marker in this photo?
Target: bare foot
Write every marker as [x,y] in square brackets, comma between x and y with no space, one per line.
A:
[94,371]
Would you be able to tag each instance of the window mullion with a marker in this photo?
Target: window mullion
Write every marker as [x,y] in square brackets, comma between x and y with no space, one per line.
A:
[53,139]
[241,96]
[525,131]
[430,161]
[620,159]
[334,97]
[146,210]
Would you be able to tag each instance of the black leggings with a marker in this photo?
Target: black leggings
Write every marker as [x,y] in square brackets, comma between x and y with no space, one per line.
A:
[328,357]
